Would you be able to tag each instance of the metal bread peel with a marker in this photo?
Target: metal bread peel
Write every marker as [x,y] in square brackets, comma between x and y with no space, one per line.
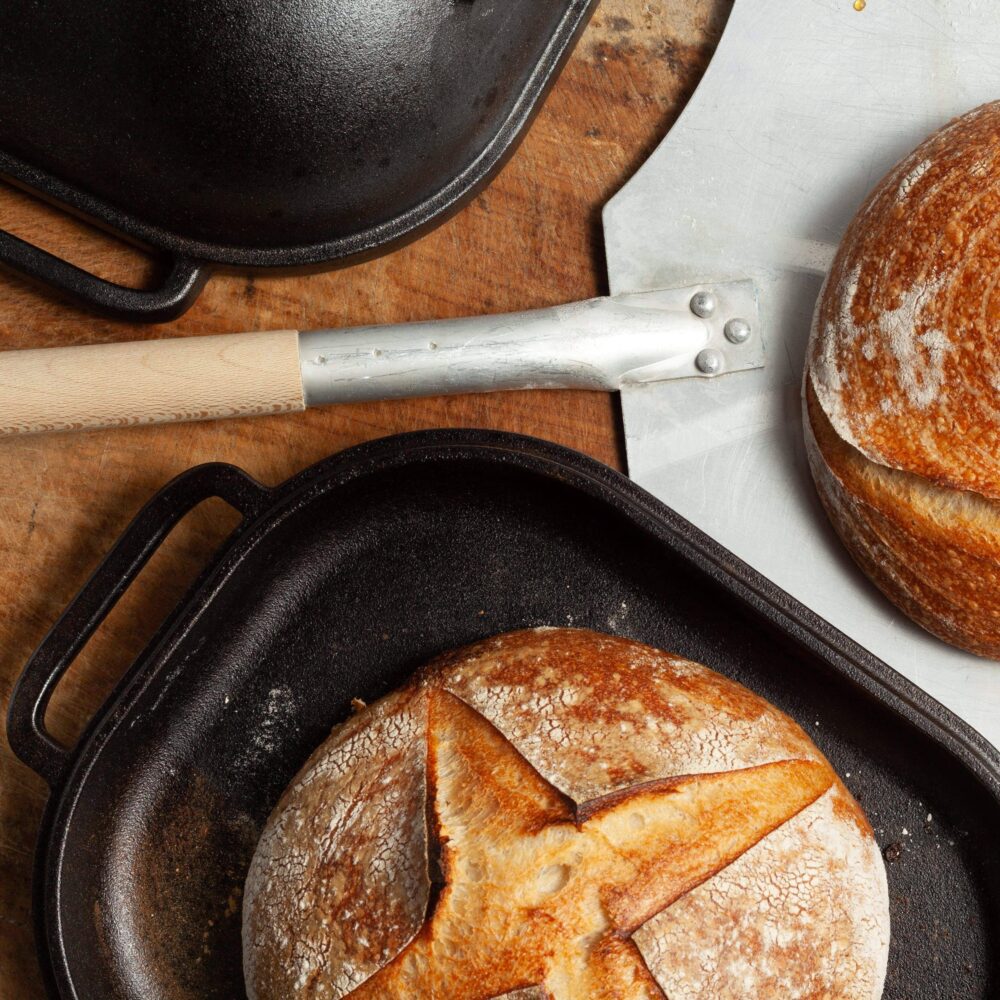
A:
[803,108]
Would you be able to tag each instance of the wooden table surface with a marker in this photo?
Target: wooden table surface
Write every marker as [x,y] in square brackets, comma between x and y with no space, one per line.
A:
[531,239]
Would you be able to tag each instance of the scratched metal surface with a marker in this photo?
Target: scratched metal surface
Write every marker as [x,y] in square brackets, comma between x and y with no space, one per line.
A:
[804,107]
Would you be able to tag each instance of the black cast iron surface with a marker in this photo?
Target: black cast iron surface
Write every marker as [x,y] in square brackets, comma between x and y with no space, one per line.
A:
[255,133]
[343,580]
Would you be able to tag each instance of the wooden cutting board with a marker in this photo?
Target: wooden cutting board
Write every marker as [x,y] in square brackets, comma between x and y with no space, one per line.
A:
[531,239]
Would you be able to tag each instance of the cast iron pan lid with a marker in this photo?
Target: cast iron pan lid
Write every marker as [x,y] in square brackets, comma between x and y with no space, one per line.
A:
[254,133]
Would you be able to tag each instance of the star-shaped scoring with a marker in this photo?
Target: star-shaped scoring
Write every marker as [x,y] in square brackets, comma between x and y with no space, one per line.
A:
[536,891]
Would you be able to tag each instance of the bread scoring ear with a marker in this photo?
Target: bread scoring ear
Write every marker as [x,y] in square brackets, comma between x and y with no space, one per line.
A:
[933,551]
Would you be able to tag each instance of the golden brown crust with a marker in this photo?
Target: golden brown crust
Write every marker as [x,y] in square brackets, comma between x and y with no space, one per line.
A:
[531,882]
[933,551]
[594,713]
[904,357]
[903,382]
[617,899]
[740,950]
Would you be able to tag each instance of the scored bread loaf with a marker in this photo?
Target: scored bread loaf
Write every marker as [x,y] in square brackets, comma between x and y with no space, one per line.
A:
[902,384]
[561,814]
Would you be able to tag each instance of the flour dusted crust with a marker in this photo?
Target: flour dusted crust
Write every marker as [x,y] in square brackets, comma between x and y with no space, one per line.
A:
[594,714]
[757,919]
[347,841]
[902,386]
[602,729]
[904,357]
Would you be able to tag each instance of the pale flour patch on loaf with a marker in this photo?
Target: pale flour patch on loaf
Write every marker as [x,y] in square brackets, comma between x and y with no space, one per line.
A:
[758,919]
[910,179]
[339,883]
[981,167]
[917,357]
[920,357]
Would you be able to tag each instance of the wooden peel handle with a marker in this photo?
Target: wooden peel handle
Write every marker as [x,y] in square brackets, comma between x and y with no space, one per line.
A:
[149,382]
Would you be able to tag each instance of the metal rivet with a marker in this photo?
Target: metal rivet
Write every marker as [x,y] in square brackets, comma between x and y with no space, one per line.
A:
[737,331]
[703,304]
[708,362]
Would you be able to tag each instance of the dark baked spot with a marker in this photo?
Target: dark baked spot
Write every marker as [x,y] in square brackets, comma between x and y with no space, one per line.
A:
[893,852]
[620,24]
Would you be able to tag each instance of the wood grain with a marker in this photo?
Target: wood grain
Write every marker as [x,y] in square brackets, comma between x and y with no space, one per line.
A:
[531,239]
[150,382]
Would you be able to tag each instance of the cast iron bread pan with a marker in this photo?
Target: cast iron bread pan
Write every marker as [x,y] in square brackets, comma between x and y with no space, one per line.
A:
[340,582]
[257,134]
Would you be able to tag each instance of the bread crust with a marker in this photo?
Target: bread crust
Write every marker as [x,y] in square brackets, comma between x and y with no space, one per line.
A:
[904,355]
[933,551]
[798,911]
[901,388]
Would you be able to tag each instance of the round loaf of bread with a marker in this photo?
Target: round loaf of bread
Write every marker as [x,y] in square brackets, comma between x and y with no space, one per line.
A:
[902,385]
[561,814]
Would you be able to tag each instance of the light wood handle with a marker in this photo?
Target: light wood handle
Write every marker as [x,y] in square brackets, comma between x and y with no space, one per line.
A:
[149,382]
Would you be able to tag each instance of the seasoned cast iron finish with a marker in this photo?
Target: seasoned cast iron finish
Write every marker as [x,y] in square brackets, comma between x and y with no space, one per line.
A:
[258,134]
[337,585]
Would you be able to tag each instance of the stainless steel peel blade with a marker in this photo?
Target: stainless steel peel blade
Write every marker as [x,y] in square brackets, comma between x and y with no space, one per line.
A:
[806,104]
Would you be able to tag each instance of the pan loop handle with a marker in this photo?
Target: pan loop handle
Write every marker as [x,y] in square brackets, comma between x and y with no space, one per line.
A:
[26,715]
[178,288]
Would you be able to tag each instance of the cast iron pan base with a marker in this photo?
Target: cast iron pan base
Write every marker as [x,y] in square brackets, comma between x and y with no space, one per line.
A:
[349,577]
